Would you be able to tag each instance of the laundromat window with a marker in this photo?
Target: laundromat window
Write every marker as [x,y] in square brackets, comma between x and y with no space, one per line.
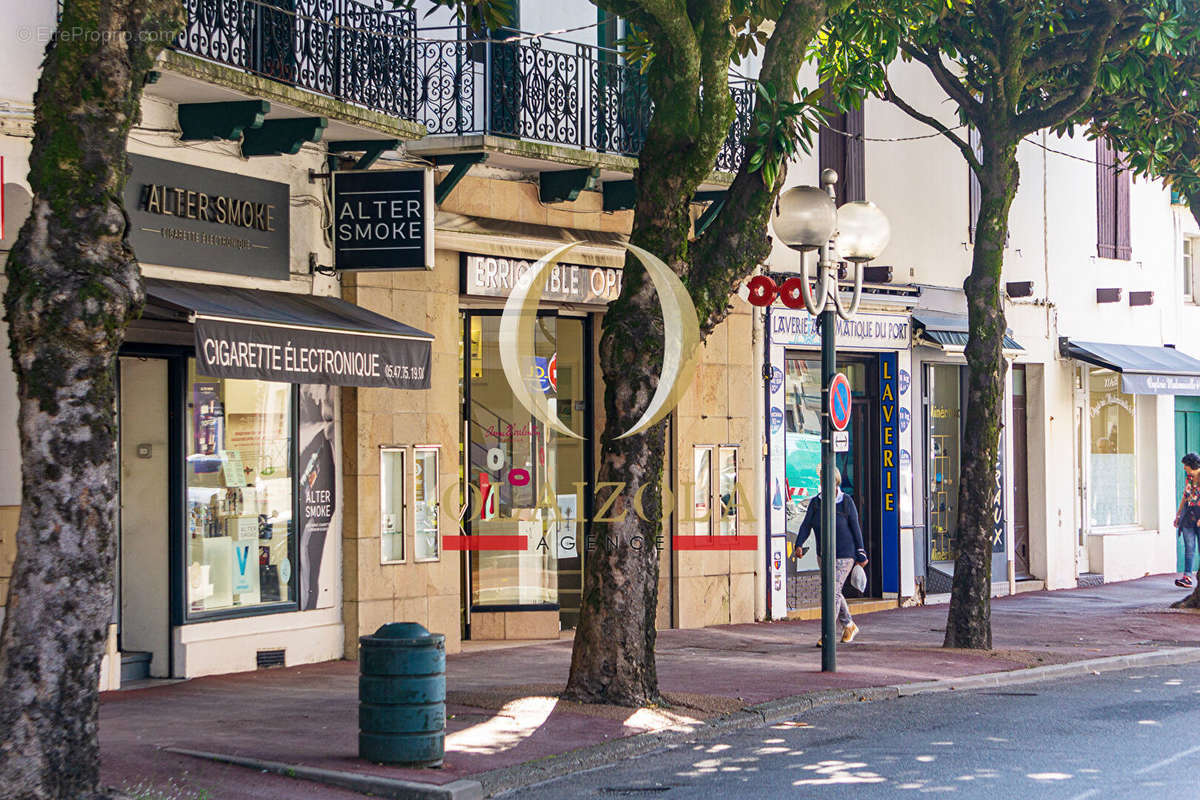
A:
[240,514]
[391,504]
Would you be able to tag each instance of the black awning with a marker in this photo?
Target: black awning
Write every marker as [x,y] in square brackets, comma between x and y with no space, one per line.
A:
[294,338]
[1144,369]
[949,331]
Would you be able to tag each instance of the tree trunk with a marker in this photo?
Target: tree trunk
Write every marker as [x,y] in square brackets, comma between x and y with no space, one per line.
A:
[73,286]
[969,622]
[613,656]
[1193,599]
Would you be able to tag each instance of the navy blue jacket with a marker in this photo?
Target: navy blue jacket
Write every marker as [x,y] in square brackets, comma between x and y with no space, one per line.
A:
[849,534]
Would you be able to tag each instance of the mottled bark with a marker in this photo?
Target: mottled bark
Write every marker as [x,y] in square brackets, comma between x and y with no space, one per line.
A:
[1193,599]
[969,621]
[73,286]
[613,657]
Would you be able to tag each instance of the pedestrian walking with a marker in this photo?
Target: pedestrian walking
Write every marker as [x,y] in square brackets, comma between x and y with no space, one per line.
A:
[1187,518]
[848,549]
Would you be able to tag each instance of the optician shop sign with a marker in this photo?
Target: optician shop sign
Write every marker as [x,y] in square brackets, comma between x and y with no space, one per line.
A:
[495,276]
[383,219]
[185,216]
[229,349]
[881,332]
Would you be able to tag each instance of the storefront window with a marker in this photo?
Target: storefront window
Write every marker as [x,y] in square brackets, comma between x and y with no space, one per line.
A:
[1113,486]
[240,494]
[526,480]
[945,458]
[728,488]
[702,517]
[391,504]
[802,445]
[426,546]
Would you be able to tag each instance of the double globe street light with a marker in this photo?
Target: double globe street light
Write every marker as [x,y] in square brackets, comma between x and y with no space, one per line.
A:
[806,218]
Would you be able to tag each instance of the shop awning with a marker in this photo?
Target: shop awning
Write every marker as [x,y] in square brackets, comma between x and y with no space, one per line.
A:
[949,331]
[294,338]
[1144,369]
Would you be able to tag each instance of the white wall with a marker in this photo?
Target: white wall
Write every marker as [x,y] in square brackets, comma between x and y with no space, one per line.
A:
[27,28]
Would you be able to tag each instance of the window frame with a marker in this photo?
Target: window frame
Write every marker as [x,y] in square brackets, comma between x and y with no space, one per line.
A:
[702,526]
[1136,522]
[436,450]
[1188,251]
[184,615]
[402,516]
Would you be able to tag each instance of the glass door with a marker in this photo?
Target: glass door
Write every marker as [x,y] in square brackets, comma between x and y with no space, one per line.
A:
[528,485]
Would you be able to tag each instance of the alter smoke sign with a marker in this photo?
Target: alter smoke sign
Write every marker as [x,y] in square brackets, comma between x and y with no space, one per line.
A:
[383,219]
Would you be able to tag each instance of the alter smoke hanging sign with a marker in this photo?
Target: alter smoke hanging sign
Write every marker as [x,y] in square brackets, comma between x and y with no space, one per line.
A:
[383,219]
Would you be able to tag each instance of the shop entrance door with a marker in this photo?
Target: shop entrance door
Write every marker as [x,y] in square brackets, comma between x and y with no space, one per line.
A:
[526,480]
[1187,440]
[858,465]
[1020,450]
[143,596]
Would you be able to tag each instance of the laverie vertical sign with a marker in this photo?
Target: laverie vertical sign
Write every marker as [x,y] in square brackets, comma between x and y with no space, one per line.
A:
[383,219]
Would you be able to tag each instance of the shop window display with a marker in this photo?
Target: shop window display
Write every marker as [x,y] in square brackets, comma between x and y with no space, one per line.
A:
[945,458]
[391,504]
[1113,491]
[426,546]
[239,516]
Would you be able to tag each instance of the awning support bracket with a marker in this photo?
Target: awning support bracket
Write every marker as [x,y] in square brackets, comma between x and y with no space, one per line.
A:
[710,213]
[371,150]
[564,185]
[203,122]
[460,164]
[279,137]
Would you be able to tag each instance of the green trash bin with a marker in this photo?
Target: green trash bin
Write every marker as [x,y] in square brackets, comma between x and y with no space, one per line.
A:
[402,695]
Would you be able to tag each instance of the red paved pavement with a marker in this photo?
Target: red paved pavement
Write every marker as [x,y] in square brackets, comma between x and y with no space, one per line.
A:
[503,711]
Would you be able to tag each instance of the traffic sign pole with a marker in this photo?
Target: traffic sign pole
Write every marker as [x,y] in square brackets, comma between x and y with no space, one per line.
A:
[828,492]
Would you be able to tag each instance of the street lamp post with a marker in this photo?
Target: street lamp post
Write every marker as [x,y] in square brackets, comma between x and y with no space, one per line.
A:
[806,219]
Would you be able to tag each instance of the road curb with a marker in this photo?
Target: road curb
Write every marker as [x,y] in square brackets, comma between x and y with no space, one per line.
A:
[392,788]
[506,779]
[1153,658]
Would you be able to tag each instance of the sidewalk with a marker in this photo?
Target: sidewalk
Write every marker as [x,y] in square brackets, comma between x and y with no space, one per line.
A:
[503,712]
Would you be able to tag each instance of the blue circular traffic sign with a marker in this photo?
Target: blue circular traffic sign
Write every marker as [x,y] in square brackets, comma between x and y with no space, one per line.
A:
[839,402]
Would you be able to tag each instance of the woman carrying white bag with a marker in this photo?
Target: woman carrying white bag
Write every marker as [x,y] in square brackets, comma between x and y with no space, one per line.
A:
[849,551]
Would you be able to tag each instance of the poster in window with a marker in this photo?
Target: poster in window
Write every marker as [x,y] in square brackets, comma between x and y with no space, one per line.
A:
[208,425]
[316,485]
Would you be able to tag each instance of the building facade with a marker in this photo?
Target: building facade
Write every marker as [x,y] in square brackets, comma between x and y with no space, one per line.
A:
[274,511]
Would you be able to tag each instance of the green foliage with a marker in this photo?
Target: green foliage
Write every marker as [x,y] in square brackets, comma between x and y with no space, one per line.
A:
[1148,100]
[780,128]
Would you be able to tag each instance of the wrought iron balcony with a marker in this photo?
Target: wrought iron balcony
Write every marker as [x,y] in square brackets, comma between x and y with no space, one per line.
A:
[545,90]
[345,49]
[539,89]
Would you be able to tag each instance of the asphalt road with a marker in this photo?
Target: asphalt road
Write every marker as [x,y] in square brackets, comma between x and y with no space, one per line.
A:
[1129,734]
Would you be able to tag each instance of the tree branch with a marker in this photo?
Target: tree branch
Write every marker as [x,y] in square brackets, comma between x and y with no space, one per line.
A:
[737,241]
[947,80]
[1102,40]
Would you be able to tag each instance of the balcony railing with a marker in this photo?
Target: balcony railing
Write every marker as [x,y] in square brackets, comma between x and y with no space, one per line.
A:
[345,49]
[545,90]
[539,89]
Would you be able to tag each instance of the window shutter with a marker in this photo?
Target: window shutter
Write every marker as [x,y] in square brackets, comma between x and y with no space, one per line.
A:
[1121,211]
[1106,201]
[854,175]
[831,152]
[974,193]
